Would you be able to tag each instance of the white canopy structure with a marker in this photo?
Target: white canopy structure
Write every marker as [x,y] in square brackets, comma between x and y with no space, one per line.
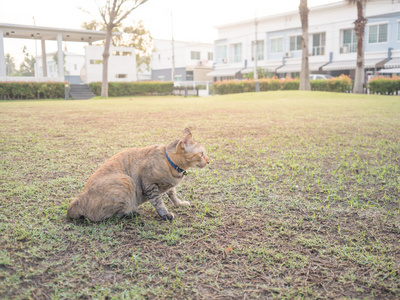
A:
[9,31]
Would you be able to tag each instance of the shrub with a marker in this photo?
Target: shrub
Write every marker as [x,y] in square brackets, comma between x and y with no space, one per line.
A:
[384,85]
[120,89]
[341,84]
[32,90]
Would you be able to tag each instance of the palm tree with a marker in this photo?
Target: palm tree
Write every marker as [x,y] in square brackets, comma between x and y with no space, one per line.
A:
[305,69]
[359,27]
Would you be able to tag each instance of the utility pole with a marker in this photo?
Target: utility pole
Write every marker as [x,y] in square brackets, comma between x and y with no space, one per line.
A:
[256,82]
[173,51]
[36,71]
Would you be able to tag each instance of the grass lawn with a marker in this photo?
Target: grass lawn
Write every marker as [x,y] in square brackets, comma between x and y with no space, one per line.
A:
[301,199]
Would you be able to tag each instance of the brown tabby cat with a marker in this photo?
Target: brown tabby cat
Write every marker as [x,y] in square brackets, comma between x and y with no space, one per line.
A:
[137,175]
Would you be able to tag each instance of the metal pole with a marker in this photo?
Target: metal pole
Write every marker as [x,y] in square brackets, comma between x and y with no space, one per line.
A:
[173,51]
[256,82]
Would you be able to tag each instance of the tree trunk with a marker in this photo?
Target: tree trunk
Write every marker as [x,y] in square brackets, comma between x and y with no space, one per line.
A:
[305,70]
[106,55]
[359,29]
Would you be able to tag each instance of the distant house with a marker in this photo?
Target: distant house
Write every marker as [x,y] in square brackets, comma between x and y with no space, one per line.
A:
[332,42]
[193,61]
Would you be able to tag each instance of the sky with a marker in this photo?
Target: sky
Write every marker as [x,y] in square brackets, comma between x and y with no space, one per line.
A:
[193,20]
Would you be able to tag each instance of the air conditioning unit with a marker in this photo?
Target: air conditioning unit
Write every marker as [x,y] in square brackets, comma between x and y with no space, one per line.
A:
[288,54]
[344,49]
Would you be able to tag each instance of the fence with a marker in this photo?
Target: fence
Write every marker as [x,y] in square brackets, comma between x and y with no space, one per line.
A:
[192,88]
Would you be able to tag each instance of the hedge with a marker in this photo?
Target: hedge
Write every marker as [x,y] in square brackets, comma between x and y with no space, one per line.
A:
[119,89]
[341,84]
[31,90]
[384,85]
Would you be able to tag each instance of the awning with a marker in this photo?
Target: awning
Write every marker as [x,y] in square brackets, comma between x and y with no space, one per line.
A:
[268,68]
[389,71]
[224,72]
[393,63]
[297,67]
[351,64]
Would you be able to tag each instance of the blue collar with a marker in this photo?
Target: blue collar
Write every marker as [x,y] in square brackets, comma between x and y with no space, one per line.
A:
[174,165]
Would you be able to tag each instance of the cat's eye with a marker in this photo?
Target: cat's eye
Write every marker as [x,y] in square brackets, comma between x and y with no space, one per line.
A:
[201,154]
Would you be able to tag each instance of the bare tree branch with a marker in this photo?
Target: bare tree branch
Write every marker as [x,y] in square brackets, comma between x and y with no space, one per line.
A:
[129,11]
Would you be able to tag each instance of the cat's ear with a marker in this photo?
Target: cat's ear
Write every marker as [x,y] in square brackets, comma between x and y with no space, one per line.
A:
[186,141]
[186,132]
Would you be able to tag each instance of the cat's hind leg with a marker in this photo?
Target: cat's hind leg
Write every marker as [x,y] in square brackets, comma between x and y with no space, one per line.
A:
[112,195]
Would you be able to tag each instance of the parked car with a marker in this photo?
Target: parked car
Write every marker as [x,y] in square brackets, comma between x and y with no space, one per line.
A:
[319,76]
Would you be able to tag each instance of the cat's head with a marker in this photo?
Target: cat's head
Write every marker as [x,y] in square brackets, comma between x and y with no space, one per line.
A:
[193,153]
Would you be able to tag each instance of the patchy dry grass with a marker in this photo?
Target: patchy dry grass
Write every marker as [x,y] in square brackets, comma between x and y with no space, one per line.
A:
[301,200]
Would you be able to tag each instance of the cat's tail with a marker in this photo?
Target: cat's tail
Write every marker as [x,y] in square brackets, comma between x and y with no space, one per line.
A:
[75,207]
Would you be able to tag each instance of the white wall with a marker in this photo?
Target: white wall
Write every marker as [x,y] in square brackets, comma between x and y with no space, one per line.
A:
[162,55]
[120,68]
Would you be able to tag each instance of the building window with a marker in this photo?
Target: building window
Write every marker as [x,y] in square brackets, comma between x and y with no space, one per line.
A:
[276,45]
[398,31]
[260,50]
[236,53]
[221,54]
[121,75]
[159,57]
[121,53]
[378,33]
[210,56]
[161,78]
[349,41]
[295,43]
[96,61]
[178,78]
[195,55]
[75,67]
[189,75]
[318,44]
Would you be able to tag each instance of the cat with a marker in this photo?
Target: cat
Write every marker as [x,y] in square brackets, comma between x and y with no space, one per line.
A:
[137,175]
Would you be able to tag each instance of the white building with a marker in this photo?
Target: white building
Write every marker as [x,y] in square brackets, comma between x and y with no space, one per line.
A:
[193,61]
[73,66]
[121,64]
[332,42]
[78,68]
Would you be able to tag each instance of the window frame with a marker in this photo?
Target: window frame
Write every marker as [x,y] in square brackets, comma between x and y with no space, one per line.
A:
[321,47]
[236,58]
[260,50]
[194,54]
[270,44]
[296,44]
[377,32]
[342,44]
[398,30]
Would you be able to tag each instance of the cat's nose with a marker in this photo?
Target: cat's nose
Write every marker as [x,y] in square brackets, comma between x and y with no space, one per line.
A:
[208,160]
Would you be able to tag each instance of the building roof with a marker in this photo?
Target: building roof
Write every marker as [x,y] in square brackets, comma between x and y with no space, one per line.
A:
[50,33]
[351,64]
[280,15]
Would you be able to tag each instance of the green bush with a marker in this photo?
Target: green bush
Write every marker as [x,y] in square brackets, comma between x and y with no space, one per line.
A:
[120,89]
[32,90]
[384,85]
[341,84]
[319,85]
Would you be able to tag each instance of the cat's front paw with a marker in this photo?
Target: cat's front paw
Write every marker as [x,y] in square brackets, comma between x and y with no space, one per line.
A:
[169,216]
[184,203]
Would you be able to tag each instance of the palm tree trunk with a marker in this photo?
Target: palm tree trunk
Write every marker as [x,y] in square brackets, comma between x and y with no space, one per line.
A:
[106,55]
[305,70]
[360,30]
